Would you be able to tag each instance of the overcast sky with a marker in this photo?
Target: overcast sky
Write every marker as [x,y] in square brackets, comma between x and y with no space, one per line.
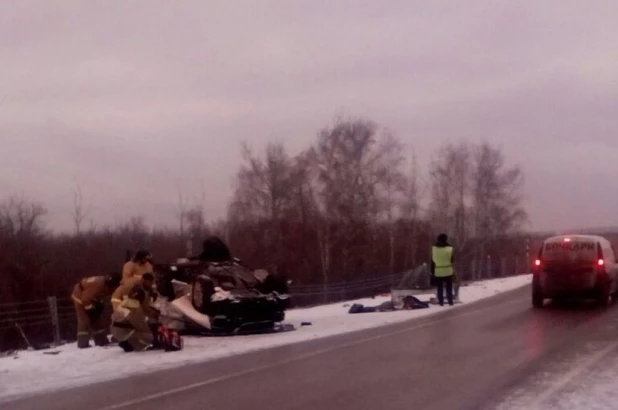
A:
[129,99]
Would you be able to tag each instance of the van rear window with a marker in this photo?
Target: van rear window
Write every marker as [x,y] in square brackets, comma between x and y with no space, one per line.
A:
[571,246]
[573,250]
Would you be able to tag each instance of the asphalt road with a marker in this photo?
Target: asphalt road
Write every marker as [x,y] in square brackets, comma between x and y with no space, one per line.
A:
[465,358]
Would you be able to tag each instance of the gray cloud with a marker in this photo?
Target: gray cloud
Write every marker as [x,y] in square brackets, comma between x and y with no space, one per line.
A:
[130,99]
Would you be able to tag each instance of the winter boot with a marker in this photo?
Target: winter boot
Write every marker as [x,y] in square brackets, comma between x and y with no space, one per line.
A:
[126,346]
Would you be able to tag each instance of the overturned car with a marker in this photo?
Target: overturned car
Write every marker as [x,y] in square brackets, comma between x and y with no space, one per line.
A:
[220,297]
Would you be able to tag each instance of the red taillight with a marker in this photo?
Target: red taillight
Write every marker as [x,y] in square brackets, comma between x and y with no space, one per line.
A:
[537,262]
[600,260]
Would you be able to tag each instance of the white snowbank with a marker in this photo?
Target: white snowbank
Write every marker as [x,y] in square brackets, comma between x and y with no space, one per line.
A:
[73,367]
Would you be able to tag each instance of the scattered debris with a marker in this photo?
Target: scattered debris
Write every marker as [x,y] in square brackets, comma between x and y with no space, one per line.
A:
[407,303]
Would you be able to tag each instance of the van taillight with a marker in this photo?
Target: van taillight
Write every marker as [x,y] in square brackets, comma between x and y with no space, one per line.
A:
[600,260]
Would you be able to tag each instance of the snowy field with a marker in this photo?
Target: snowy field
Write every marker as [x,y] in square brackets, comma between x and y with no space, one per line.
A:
[72,367]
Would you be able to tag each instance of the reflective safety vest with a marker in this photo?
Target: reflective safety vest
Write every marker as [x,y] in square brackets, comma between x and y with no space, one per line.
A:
[441,256]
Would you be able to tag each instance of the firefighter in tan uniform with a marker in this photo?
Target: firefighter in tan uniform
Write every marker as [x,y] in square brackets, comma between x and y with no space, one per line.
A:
[146,281]
[130,322]
[88,298]
[134,321]
[136,267]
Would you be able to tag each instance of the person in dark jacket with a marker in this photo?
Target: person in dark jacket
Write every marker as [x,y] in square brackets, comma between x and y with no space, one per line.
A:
[442,268]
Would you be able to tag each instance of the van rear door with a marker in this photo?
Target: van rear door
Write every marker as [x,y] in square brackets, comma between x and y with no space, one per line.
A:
[570,254]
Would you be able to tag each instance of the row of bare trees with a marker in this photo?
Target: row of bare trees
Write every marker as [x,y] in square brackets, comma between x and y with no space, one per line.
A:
[351,205]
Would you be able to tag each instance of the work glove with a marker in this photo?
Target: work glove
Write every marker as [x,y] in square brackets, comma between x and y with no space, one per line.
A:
[95,309]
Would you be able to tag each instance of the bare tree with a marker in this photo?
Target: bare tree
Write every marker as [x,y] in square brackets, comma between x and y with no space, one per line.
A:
[263,185]
[196,226]
[22,237]
[358,175]
[391,182]
[411,212]
[497,193]
[450,173]
[79,213]
[265,192]
[21,217]
[181,215]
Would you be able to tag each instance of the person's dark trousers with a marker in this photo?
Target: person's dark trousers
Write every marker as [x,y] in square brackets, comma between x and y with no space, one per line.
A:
[445,283]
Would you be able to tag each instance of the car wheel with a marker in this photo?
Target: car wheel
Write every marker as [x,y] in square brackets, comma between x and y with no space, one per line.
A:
[537,296]
[537,300]
[615,287]
[202,290]
[604,298]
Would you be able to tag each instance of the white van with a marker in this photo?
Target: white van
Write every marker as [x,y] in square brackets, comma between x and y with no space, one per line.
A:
[575,265]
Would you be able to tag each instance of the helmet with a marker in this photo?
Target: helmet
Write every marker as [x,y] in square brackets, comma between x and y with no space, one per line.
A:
[141,254]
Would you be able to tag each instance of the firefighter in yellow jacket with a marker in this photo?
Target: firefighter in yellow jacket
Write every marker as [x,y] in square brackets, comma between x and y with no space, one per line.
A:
[88,298]
[146,282]
[137,266]
[130,322]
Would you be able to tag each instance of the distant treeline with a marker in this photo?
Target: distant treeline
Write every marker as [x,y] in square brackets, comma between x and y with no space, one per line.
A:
[349,206]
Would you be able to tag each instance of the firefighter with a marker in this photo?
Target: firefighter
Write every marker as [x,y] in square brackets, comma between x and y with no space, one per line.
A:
[442,268]
[130,322]
[146,282]
[138,265]
[88,298]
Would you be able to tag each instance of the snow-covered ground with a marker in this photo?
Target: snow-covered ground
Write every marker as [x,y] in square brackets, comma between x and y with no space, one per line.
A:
[73,367]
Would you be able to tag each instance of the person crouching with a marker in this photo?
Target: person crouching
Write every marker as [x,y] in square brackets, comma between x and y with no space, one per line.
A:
[130,323]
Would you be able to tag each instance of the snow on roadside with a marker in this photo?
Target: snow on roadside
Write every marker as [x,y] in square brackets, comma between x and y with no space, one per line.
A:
[73,367]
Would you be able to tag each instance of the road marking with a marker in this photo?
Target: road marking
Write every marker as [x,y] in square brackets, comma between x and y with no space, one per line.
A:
[570,376]
[309,355]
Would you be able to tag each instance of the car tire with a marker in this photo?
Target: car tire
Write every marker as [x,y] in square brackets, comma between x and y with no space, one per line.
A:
[537,295]
[201,292]
[615,292]
[537,300]
[604,297]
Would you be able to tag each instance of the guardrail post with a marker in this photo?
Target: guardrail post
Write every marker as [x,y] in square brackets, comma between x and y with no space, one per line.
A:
[53,312]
